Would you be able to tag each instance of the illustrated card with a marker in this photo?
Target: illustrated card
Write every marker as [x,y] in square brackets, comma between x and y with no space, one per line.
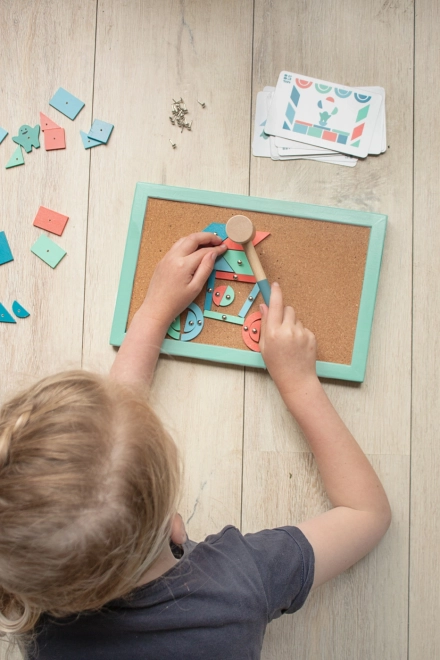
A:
[323,114]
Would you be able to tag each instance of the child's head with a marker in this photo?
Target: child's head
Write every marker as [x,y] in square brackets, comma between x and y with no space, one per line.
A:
[89,481]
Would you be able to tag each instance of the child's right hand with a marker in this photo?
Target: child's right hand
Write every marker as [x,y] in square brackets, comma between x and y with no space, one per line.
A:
[287,347]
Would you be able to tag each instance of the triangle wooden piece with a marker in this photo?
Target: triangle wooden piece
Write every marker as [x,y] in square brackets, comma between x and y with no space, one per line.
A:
[15,159]
[46,122]
[259,236]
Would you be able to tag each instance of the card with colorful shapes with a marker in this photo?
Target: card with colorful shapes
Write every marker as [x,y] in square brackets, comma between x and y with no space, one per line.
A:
[324,114]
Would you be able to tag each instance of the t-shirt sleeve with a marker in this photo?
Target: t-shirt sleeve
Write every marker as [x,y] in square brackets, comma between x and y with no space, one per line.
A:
[285,562]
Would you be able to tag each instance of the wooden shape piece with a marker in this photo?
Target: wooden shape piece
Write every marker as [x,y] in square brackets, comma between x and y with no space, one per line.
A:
[50,220]
[48,251]
[88,142]
[233,257]
[101,131]
[47,123]
[259,236]
[66,103]
[236,277]
[54,138]
[5,250]
[218,228]
[5,317]
[251,331]
[3,134]
[16,159]
[28,137]
[19,310]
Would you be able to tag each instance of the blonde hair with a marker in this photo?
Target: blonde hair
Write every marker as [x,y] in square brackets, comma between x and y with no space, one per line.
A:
[89,482]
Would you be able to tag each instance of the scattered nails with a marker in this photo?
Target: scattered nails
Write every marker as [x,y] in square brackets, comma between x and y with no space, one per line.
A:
[173,144]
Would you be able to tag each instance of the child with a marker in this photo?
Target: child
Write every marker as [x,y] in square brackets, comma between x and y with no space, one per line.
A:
[95,562]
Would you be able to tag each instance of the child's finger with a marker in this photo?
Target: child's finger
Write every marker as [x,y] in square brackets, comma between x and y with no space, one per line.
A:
[276,309]
[192,242]
[289,315]
[204,269]
[194,260]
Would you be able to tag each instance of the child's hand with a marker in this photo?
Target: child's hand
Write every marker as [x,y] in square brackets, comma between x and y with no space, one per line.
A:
[287,347]
[180,276]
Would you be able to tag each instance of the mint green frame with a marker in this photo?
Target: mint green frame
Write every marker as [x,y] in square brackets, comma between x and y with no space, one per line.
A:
[377,223]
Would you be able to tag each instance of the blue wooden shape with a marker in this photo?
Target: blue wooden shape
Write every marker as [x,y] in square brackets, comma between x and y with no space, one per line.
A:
[19,310]
[88,142]
[217,228]
[209,285]
[28,137]
[5,250]
[264,287]
[100,131]
[5,317]
[3,134]
[16,159]
[66,103]
[222,264]
[248,304]
[194,323]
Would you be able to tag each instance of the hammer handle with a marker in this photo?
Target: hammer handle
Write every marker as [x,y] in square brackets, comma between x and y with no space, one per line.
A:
[258,271]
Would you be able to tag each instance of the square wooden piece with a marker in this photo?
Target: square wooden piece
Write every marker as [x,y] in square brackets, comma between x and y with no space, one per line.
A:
[54,138]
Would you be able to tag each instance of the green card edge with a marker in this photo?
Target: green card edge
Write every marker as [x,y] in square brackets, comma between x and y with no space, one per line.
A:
[377,222]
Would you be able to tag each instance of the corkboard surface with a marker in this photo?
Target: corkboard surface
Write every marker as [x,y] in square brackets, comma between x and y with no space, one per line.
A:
[319,264]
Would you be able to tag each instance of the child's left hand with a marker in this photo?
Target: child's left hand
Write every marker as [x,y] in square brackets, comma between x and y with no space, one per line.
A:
[180,276]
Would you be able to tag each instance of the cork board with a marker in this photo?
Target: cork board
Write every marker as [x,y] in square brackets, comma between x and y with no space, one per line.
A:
[320,257]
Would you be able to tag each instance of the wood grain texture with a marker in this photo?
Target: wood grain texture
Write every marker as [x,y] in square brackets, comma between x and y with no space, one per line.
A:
[362,613]
[41,343]
[349,617]
[38,42]
[310,42]
[146,54]
[424,632]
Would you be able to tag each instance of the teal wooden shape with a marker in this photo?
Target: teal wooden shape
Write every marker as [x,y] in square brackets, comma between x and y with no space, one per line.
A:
[228,297]
[47,250]
[89,142]
[217,228]
[355,371]
[100,131]
[264,287]
[28,137]
[19,310]
[238,261]
[226,318]
[66,103]
[5,250]
[3,134]
[5,317]
[249,301]
[16,159]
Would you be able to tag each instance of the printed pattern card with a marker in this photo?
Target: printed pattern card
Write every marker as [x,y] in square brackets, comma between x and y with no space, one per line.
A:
[324,114]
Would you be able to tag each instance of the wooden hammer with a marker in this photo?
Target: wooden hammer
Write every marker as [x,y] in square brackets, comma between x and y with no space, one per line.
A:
[240,229]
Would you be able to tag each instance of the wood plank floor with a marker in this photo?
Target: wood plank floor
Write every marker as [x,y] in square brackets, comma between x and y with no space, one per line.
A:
[126,61]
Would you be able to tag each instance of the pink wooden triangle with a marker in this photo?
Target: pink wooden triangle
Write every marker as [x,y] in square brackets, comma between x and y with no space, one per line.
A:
[259,236]
[45,122]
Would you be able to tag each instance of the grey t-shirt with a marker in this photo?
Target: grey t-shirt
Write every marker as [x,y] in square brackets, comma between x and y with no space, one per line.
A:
[214,604]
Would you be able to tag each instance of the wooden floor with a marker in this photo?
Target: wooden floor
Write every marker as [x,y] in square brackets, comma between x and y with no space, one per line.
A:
[126,60]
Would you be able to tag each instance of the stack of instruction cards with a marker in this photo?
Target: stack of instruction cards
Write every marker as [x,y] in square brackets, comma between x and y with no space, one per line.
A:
[307,118]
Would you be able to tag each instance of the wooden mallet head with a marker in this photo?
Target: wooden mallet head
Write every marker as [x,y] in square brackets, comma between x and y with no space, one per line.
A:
[240,229]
